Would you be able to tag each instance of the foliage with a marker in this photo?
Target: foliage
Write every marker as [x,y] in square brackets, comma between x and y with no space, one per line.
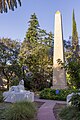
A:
[72,58]
[32,33]
[1,97]
[9,65]
[68,49]
[75,43]
[34,54]
[73,61]
[72,66]
[19,111]
[69,113]
[11,4]
[52,94]
[75,101]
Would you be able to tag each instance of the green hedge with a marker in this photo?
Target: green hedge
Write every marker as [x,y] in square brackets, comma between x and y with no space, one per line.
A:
[52,94]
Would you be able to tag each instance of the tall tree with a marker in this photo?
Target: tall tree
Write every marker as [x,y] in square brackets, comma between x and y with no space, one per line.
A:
[34,53]
[30,41]
[75,44]
[72,64]
[11,4]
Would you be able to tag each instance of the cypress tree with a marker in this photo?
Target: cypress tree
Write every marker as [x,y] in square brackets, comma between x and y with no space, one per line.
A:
[75,46]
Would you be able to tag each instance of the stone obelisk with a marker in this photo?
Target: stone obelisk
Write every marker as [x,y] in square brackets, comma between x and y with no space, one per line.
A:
[59,76]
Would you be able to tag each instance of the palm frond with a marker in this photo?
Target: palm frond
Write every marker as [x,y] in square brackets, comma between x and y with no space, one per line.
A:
[8,4]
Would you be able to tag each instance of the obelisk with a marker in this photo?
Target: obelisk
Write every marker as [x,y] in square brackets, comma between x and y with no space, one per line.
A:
[59,76]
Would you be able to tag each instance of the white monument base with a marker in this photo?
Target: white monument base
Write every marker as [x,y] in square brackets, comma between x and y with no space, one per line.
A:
[18,93]
[18,96]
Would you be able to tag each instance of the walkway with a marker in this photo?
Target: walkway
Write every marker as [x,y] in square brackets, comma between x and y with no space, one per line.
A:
[45,112]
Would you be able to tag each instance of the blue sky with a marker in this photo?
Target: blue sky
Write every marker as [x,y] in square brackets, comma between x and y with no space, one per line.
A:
[15,24]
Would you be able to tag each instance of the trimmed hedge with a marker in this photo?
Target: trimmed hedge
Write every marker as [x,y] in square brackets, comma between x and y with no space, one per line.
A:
[53,94]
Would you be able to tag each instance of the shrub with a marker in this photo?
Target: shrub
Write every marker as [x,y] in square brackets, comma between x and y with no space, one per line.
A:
[55,94]
[75,101]
[69,113]
[19,111]
[1,97]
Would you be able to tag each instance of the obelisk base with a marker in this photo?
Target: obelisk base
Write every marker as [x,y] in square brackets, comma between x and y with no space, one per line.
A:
[59,78]
[59,87]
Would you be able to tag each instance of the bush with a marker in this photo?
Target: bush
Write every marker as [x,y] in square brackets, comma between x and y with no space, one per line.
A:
[69,113]
[75,101]
[19,111]
[55,94]
[1,97]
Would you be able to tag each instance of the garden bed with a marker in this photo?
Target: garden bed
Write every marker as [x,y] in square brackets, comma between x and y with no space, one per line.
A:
[57,108]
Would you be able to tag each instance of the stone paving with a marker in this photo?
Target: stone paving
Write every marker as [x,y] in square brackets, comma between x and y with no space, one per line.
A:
[45,112]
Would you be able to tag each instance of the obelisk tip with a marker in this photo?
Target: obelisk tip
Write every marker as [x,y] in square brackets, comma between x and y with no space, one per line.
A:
[58,12]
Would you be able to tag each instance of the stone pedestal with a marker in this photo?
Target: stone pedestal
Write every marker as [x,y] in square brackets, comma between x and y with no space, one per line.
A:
[59,78]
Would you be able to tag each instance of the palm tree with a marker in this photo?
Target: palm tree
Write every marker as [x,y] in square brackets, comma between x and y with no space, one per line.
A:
[8,4]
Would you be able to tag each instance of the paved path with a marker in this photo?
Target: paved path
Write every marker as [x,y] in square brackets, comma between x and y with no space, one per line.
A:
[45,112]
